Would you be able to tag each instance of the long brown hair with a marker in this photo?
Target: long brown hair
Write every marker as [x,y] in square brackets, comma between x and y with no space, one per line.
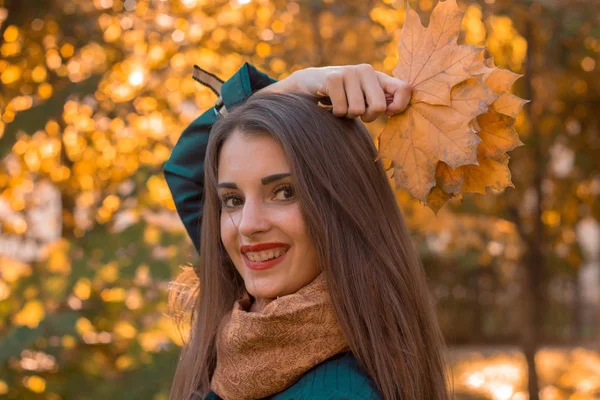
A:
[374,275]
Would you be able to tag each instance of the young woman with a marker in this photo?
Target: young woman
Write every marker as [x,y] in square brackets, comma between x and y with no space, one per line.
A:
[309,286]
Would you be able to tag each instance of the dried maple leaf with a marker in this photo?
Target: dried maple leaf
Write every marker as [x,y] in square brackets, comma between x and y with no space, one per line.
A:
[472,98]
[500,80]
[498,135]
[509,104]
[448,179]
[455,133]
[436,198]
[431,61]
[489,173]
[420,137]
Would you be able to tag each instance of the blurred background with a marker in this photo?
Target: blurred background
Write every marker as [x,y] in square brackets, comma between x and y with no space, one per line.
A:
[95,93]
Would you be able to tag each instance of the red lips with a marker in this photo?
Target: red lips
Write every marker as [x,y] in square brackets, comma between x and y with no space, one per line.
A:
[262,246]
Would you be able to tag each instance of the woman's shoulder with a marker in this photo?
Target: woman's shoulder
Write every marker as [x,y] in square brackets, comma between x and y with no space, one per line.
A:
[337,378]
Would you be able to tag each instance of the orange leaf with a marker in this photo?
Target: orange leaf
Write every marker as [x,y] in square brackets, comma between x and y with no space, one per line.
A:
[489,173]
[479,68]
[414,169]
[472,98]
[497,134]
[420,137]
[390,176]
[430,59]
[449,180]
[509,104]
[436,198]
[455,133]
[501,80]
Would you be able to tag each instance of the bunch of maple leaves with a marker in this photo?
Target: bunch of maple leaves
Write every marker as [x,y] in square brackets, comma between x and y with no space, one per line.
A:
[455,133]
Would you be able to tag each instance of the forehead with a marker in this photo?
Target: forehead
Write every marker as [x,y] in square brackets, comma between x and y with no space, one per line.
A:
[250,156]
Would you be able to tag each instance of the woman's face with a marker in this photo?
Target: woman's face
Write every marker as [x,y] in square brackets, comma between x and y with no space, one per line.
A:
[259,207]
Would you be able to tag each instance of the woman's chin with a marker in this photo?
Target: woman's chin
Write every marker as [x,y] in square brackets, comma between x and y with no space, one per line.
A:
[264,289]
[263,294]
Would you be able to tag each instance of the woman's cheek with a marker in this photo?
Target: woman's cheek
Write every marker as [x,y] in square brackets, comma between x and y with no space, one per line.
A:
[228,233]
[296,226]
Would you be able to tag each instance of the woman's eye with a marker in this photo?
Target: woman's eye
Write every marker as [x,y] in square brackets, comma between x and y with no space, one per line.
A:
[287,190]
[230,201]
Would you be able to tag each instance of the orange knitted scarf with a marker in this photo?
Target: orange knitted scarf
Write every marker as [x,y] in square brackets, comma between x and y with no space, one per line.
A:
[262,353]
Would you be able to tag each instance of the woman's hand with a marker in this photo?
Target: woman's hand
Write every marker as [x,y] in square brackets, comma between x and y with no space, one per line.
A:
[354,90]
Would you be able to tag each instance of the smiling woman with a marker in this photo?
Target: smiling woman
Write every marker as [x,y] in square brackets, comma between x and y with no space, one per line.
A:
[309,286]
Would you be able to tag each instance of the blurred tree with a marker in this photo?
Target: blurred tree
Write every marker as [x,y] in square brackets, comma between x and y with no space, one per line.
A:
[557,180]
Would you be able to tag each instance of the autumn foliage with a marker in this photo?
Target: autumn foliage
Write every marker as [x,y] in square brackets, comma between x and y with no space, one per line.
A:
[454,135]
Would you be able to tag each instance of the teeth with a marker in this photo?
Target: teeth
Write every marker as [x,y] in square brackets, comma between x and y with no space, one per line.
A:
[258,256]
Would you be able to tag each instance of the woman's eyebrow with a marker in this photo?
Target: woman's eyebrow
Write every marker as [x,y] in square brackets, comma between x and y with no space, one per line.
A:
[265,181]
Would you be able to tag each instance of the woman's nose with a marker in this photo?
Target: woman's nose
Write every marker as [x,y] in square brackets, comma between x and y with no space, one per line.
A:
[254,218]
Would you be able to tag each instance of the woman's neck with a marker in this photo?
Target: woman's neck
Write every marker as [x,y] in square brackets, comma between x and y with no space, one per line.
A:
[258,304]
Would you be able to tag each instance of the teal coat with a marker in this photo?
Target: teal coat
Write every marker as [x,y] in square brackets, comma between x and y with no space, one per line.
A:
[339,377]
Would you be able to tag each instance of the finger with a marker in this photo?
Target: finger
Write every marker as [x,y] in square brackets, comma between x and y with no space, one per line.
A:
[399,89]
[354,94]
[334,88]
[402,95]
[375,96]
